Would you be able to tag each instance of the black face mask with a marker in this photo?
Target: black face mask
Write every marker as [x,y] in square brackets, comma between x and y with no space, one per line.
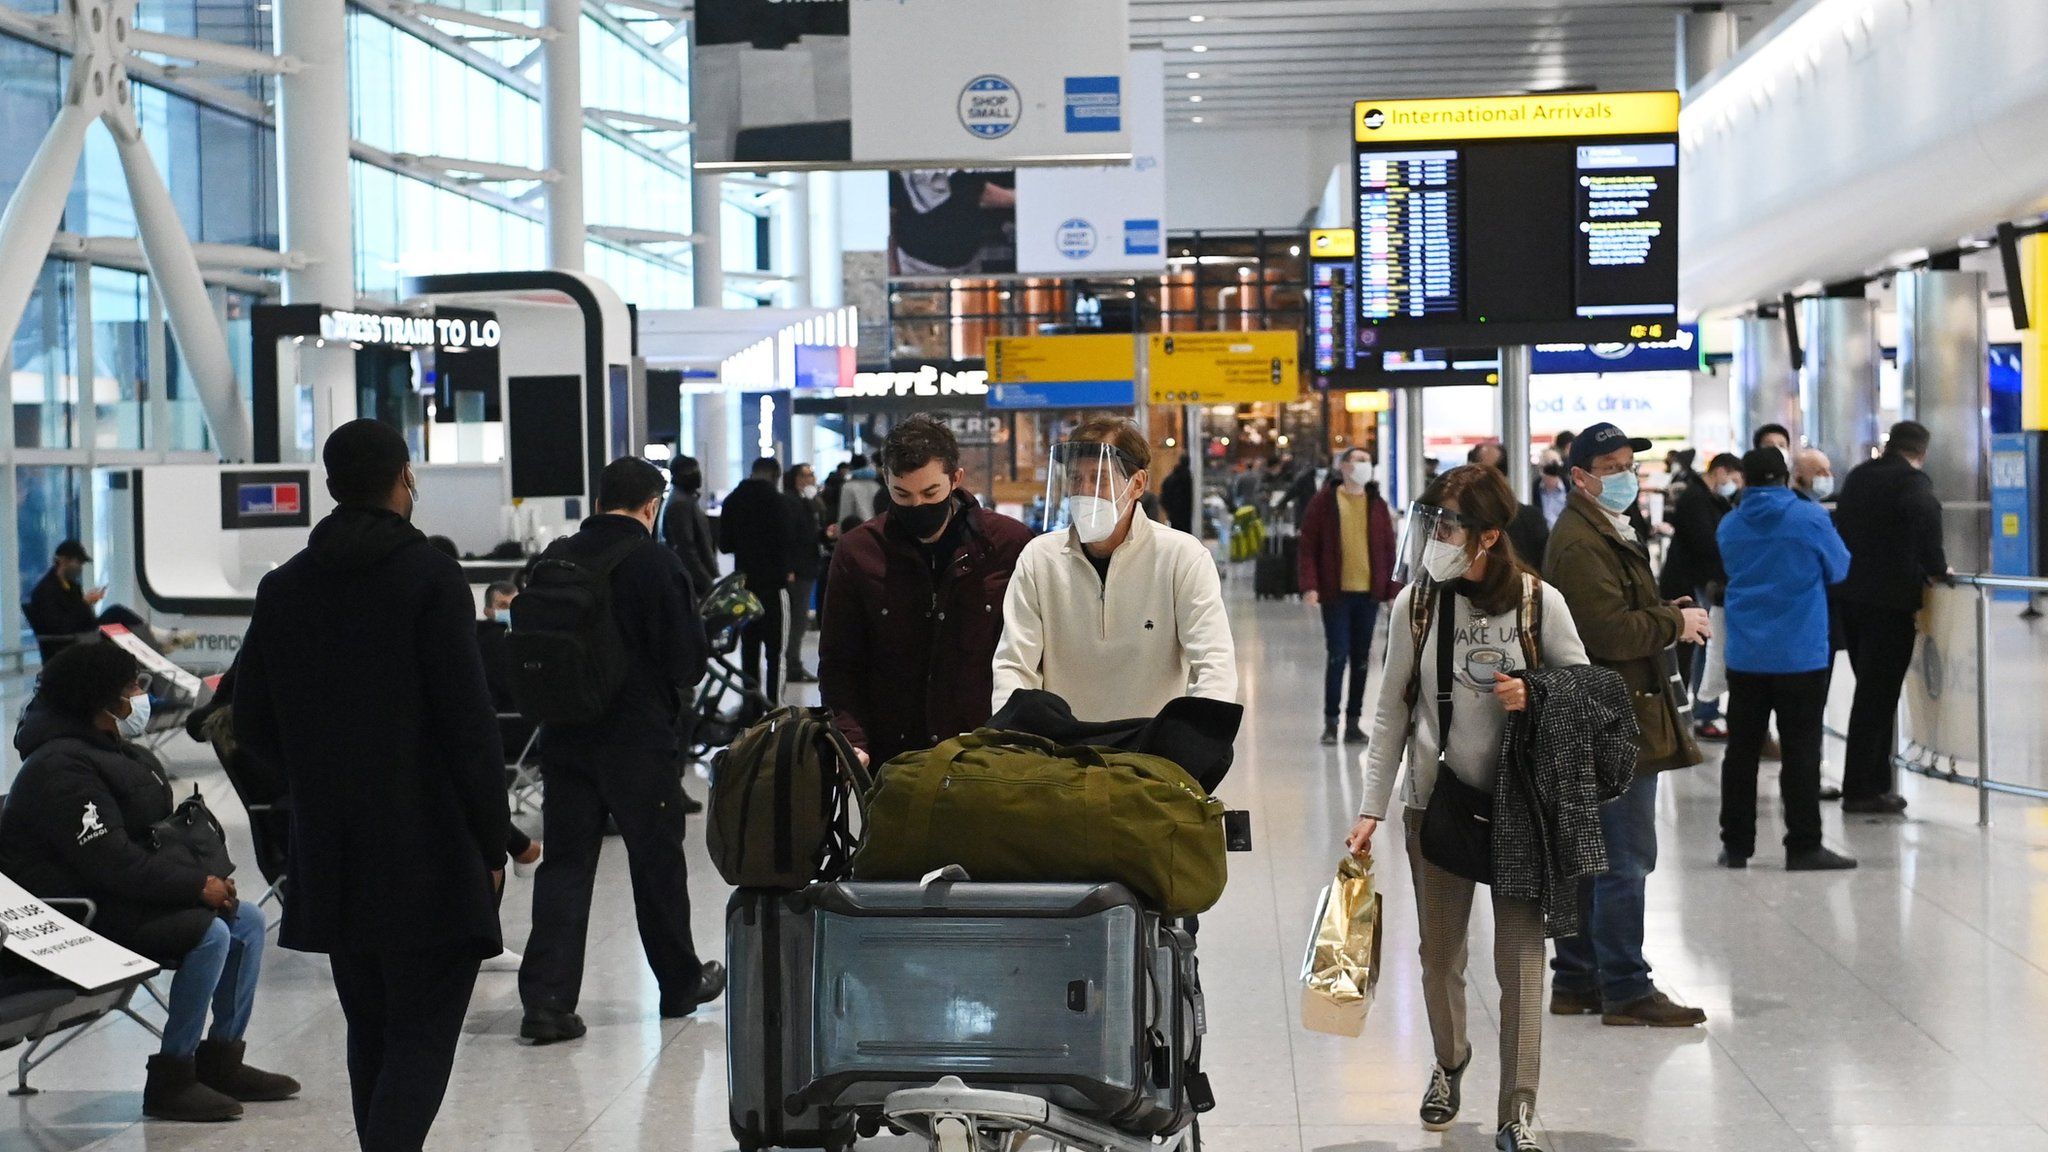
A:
[922,520]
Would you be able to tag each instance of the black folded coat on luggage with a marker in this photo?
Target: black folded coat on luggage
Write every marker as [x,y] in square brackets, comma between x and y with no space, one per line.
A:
[1195,732]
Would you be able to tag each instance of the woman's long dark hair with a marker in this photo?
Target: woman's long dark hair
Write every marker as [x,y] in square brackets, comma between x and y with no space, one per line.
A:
[1488,504]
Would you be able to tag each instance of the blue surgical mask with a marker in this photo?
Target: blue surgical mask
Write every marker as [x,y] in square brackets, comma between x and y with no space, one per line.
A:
[1823,487]
[136,722]
[1618,492]
[503,616]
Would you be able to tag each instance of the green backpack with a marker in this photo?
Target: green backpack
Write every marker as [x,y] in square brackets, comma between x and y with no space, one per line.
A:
[1010,807]
[782,802]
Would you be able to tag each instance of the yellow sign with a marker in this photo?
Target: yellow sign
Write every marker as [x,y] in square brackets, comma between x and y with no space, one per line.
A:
[1333,243]
[1515,117]
[1368,402]
[2009,525]
[1061,359]
[1225,367]
[2034,341]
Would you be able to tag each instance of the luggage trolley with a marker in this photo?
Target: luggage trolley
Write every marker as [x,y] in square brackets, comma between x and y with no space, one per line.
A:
[970,1015]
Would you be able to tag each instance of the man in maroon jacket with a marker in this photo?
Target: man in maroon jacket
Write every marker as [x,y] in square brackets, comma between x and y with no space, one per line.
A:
[914,603]
[1347,569]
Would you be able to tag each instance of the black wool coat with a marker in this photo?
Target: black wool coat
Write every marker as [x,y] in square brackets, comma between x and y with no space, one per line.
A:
[360,678]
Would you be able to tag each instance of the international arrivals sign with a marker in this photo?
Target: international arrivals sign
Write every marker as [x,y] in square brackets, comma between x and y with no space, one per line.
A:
[1515,117]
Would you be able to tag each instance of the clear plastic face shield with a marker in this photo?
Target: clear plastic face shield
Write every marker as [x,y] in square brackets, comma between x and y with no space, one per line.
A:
[1088,487]
[1437,545]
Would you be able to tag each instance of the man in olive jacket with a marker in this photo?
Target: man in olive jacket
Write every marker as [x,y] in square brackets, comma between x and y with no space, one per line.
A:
[1596,559]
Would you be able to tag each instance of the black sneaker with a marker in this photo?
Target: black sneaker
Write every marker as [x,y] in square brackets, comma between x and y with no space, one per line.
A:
[1330,735]
[710,986]
[1729,859]
[1440,1102]
[691,805]
[1889,804]
[1818,860]
[1518,1135]
[1829,793]
[1353,734]
[551,1026]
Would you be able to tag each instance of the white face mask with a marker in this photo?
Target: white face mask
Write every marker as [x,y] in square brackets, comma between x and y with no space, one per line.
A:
[1359,472]
[1094,519]
[136,722]
[1726,489]
[1823,487]
[1445,561]
[808,491]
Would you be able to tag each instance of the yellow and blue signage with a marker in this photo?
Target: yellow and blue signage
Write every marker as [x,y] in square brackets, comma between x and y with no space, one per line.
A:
[1083,371]
[1224,367]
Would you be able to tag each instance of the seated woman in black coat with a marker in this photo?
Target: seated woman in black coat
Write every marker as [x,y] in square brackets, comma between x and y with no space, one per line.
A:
[78,824]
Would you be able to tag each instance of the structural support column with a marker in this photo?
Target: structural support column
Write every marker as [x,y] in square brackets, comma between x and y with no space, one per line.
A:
[707,256]
[825,272]
[1839,379]
[1191,446]
[561,91]
[1943,372]
[1707,37]
[1766,388]
[1514,416]
[1410,404]
[315,206]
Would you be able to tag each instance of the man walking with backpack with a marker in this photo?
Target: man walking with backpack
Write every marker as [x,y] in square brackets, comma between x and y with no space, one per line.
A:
[605,649]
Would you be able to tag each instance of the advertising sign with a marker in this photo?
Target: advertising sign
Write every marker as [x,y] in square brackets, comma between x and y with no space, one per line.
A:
[909,83]
[60,945]
[1224,367]
[1103,218]
[1516,220]
[265,500]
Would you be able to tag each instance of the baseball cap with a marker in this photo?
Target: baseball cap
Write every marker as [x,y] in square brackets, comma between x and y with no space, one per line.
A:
[73,550]
[1601,439]
[1763,466]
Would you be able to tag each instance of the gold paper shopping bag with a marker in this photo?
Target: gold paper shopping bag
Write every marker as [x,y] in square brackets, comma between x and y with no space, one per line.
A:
[1343,961]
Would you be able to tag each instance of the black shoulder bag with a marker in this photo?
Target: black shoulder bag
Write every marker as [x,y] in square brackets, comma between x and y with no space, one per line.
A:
[192,835]
[1457,827]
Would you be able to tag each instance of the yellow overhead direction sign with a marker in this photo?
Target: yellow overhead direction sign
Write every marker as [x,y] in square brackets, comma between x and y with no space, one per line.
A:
[1224,367]
[1514,117]
[1332,243]
[1061,359]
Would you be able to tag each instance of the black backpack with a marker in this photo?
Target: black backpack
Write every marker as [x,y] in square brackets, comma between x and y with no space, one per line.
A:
[568,656]
[783,797]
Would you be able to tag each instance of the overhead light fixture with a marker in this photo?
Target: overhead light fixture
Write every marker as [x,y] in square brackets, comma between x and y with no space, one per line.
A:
[1196,19]
[1194,75]
[1196,119]
[1194,99]
[1199,48]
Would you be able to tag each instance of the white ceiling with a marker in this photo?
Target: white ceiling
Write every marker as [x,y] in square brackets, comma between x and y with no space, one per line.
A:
[1302,62]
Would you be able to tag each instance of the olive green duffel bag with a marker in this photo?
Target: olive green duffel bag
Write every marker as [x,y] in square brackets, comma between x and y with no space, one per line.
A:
[1009,807]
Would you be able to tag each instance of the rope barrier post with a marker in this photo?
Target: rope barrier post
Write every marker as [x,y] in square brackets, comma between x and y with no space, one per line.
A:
[1983,707]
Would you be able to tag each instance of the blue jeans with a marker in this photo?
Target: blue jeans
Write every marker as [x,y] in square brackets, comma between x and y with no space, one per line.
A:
[221,969]
[1348,619]
[1607,955]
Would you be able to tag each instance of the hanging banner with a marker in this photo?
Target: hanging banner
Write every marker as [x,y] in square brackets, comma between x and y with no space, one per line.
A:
[781,84]
[1041,372]
[1224,367]
[1104,218]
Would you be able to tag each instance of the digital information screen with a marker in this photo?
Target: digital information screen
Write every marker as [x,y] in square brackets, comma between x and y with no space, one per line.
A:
[1335,361]
[1516,220]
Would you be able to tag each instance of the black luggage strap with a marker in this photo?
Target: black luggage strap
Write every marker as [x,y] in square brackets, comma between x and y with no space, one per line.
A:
[1446,623]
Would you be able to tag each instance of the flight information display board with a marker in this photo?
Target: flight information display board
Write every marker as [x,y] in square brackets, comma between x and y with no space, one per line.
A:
[1516,220]
[1336,364]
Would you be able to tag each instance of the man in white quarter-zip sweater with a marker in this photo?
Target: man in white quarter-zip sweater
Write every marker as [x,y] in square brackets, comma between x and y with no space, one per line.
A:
[1113,612]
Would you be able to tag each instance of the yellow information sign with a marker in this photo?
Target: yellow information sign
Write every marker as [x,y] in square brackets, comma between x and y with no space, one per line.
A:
[1366,402]
[1332,243]
[1516,117]
[1225,367]
[2034,341]
[1061,359]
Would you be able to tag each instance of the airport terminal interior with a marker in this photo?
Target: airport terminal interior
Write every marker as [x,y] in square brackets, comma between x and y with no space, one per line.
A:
[1044,479]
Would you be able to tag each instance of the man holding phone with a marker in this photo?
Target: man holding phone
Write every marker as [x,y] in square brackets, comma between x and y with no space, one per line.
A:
[61,610]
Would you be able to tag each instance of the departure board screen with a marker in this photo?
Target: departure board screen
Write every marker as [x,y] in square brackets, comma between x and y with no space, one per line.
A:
[1516,220]
[1336,362]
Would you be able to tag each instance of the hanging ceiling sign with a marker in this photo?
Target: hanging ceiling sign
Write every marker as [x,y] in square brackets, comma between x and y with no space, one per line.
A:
[1104,218]
[1224,367]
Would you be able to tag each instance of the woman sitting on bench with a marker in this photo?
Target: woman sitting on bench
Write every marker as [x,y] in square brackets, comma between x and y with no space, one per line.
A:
[78,823]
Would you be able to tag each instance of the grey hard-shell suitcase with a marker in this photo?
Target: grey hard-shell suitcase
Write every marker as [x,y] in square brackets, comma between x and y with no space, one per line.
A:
[1070,992]
[768,947]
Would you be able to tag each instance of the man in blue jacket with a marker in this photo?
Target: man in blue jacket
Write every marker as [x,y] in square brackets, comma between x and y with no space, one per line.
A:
[1781,554]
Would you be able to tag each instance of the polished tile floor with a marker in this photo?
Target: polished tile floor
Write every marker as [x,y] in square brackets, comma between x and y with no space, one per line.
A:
[1904,1006]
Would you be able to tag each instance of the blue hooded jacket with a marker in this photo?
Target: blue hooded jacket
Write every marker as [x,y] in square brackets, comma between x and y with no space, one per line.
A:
[1781,554]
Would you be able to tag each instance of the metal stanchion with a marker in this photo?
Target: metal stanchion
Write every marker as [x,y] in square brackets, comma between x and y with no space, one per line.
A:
[1983,707]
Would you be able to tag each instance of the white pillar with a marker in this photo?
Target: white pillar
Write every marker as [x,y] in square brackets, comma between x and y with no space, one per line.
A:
[826,277]
[1514,416]
[561,89]
[794,234]
[707,259]
[1707,36]
[314,204]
